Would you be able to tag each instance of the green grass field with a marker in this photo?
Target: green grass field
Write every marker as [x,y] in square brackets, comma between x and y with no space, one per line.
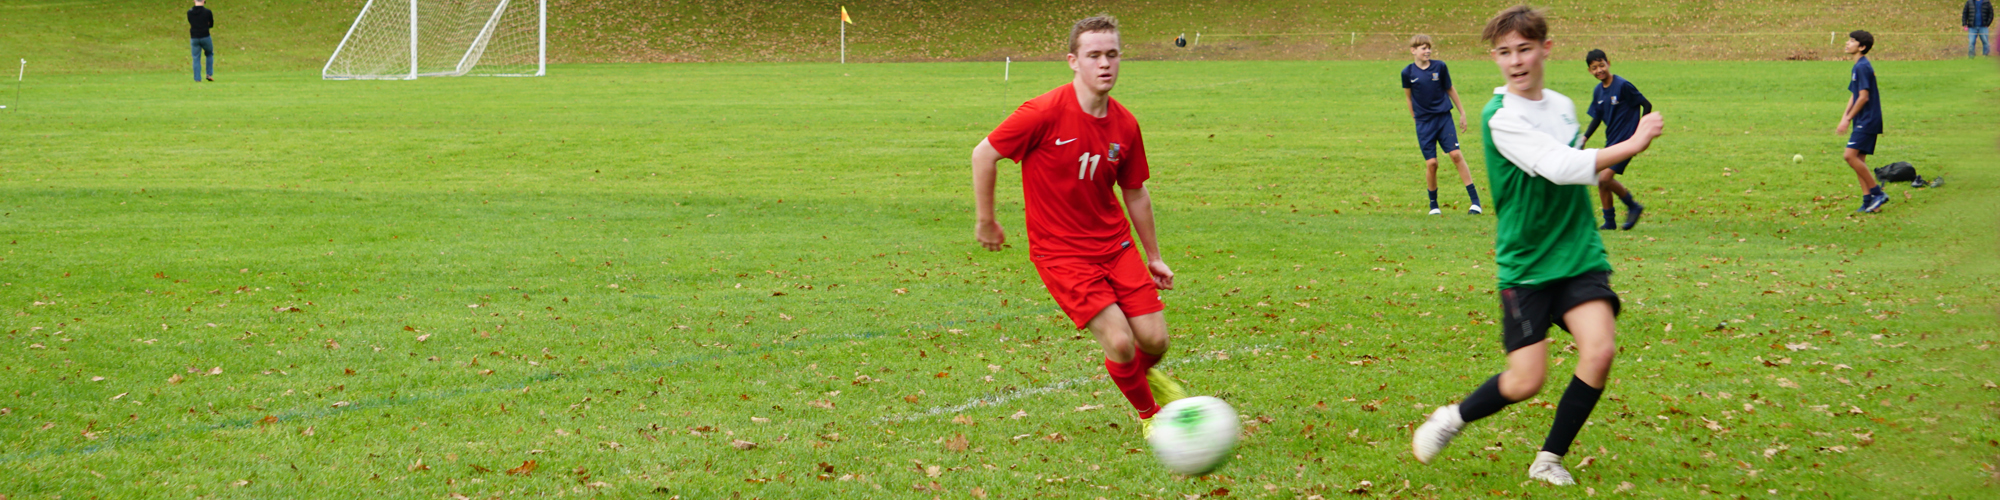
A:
[124,36]
[277,286]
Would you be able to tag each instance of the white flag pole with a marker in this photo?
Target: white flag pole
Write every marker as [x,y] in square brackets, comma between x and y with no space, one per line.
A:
[843,36]
[1008,72]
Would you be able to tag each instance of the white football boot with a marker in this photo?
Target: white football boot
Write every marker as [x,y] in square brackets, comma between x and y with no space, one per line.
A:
[1436,433]
[1548,467]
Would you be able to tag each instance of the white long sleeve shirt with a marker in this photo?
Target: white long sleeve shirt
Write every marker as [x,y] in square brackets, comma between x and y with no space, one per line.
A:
[1543,138]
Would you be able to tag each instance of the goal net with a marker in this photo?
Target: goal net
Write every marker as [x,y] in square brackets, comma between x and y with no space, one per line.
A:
[406,39]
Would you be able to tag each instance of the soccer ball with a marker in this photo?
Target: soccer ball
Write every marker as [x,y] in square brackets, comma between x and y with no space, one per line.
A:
[1194,436]
[1798,158]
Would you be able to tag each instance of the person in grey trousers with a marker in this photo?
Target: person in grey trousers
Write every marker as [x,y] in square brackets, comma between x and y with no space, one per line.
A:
[200,20]
[1978,22]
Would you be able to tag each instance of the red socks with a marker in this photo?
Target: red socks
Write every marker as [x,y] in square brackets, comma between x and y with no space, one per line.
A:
[1146,360]
[1131,379]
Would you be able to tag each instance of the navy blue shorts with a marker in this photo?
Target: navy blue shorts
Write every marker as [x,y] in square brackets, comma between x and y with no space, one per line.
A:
[1437,132]
[1862,141]
[1620,167]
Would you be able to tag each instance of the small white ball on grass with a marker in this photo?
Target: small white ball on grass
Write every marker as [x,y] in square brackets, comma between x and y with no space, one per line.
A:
[1798,158]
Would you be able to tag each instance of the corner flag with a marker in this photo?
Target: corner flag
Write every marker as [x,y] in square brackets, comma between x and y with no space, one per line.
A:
[844,21]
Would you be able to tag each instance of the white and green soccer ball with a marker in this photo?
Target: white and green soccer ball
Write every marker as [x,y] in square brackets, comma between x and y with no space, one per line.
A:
[1194,436]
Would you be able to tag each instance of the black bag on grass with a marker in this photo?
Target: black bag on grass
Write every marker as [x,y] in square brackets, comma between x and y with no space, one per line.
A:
[1896,172]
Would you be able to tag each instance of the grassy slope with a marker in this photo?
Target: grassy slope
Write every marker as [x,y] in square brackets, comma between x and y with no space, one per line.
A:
[95,36]
[790,242]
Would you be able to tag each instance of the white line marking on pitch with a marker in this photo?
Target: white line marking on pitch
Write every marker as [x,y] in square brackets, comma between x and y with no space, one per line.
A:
[1000,399]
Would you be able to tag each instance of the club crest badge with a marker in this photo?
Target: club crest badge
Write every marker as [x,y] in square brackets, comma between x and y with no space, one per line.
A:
[1115,149]
[1434,77]
[1614,100]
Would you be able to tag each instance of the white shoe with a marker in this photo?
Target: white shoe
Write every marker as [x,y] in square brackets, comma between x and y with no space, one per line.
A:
[1436,433]
[1436,211]
[1475,210]
[1548,467]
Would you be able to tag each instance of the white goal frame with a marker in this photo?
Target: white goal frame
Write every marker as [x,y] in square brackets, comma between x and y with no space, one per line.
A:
[466,62]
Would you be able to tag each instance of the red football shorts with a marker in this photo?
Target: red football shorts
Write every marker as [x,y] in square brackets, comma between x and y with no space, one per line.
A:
[1084,286]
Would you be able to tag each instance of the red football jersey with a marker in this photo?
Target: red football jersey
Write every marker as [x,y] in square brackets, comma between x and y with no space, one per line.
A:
[1069,163]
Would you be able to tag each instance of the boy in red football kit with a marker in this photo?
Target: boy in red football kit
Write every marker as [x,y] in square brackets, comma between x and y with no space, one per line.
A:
[1074,144]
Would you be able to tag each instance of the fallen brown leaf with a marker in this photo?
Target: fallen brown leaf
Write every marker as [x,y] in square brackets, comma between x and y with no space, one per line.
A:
[525,468]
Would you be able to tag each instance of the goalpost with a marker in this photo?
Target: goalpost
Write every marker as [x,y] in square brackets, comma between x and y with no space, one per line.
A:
[407,39]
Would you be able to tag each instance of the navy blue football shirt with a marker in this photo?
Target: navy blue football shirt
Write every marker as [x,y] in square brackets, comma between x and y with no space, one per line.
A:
[1619,107]
[1869,118]
[1427,88]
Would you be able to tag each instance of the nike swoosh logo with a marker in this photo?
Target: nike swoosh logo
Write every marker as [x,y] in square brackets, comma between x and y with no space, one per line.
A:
[1060,142]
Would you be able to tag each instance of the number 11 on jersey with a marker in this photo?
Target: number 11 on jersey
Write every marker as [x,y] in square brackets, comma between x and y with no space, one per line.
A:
[1087,164]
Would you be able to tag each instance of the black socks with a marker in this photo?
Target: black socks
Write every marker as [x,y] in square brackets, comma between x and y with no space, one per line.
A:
[1470,192]
[1483,402]
[1577,402]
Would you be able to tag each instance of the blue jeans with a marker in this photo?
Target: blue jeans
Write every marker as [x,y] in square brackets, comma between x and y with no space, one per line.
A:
[1980,37]
[204,46]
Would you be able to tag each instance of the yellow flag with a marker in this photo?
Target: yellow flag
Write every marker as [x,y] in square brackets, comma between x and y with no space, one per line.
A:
[843,16]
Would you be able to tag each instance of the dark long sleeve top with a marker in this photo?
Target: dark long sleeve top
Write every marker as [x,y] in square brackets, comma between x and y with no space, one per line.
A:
[200,19]
[1978,14]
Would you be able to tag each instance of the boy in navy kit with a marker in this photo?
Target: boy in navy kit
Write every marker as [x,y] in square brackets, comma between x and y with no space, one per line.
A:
[1427,88]
[1552,267]
[1864,114]
[1617,104]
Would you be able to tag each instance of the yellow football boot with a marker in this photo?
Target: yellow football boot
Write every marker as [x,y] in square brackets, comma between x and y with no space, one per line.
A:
[1165,389]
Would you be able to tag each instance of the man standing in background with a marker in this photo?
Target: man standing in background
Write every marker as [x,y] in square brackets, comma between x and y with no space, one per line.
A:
[199,22]
[1978,22]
